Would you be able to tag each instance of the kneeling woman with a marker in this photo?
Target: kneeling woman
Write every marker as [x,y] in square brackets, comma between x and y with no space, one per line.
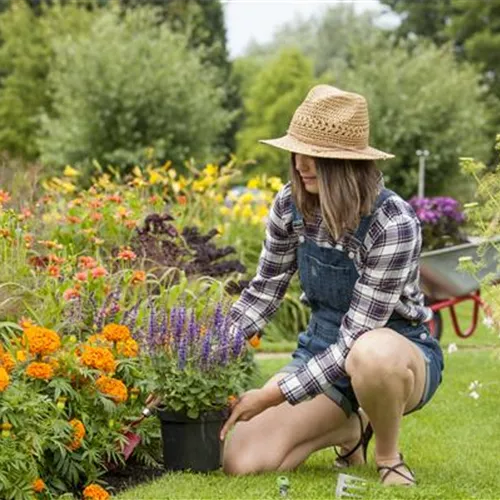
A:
[366,358]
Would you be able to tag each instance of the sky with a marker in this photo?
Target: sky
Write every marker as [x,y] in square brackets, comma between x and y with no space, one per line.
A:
[258,19]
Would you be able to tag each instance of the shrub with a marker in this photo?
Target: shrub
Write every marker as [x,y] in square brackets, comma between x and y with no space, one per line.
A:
[129,84]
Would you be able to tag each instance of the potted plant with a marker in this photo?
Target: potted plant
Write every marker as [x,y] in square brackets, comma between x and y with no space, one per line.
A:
[196,366]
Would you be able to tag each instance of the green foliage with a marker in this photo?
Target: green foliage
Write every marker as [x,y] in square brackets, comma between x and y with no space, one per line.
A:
[484,215]
[130,84]
[276,92]
[25,58]
[416,101]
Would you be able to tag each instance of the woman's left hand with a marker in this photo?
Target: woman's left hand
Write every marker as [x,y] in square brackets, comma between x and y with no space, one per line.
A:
[252,403]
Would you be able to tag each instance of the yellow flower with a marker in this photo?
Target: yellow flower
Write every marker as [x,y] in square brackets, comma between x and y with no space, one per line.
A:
[155,177]
[246,198]
[247,212]
[70,172]
[275,183]
[113,388]
[224,211]
[42,371]
[4,379]
[211,170]
[254,183]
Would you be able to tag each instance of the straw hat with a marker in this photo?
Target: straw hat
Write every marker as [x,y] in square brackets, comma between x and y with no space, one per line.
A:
[330,123]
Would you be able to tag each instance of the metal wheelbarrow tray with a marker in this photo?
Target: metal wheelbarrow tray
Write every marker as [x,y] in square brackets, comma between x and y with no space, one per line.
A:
[444,286]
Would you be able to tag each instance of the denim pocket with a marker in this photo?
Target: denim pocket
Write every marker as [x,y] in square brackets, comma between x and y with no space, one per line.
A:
[328,284]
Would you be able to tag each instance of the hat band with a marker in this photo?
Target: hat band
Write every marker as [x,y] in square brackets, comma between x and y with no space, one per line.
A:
[332,147]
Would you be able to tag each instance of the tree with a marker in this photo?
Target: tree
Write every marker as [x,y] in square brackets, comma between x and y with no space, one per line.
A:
[130,84]
[276,92]
[25,58]
[421,98]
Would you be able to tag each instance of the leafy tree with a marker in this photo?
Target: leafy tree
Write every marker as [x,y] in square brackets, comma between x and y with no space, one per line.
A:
[276,92]
[130,84]
[420,99]
[25,58]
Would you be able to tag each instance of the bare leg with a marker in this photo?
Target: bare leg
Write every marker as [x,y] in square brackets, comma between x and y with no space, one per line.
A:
[388,376]
[281,438]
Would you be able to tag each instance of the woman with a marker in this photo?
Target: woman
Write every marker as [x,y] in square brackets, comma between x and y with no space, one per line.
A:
[366,358]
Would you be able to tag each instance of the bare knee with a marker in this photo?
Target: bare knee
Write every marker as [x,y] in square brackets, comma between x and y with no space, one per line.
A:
[374,359]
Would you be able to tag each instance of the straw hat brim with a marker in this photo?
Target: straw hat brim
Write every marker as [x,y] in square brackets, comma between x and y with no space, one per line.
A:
[290,143]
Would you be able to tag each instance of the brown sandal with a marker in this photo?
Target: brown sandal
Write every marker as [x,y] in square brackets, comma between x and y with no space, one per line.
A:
[394,468]
[341,461]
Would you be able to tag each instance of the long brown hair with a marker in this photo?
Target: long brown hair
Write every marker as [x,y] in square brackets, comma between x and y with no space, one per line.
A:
[347,190]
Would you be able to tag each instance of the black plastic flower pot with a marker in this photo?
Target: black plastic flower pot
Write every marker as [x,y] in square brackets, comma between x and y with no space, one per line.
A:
[191,444]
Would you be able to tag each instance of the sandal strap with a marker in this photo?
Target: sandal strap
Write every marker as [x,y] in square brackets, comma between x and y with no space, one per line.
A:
[358,444]
[394,468]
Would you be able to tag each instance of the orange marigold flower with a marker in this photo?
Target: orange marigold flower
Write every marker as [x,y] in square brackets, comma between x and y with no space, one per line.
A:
[78,434]
[138,277]
[38,485]
[25,323]
[126,254]
[182,200]
[255,341]
[113,388]
[4,379]
[98,272]
[42,371]
[7,361]
[99,358]
[54,271]
[70,294]
[116,333]
[87,262]
[41,340]
[95,492]
[129,348]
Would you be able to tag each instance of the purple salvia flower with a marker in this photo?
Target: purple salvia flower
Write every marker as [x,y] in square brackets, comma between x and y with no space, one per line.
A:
[179,325]
[238,343]
[163,331]
[193,331]
[152,327]
[172,324]
[224,342]
[132,318]
[205,350]
[182,353]
[218,319]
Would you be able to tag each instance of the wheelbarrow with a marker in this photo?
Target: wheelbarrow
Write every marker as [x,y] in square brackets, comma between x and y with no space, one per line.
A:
[444,286]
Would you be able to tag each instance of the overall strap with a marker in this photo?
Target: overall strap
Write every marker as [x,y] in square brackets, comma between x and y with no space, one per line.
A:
[364,225]
[297,222]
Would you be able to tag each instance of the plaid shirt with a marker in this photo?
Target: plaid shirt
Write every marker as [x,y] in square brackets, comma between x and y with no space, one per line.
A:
[387,263]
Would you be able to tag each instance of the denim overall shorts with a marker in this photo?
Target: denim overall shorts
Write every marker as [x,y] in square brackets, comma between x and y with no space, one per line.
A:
[327,277]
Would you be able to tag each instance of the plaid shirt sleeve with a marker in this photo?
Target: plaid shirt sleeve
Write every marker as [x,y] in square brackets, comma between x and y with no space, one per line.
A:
[395,246]
[277,264]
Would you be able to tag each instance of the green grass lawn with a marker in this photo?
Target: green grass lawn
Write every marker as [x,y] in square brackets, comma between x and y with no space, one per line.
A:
[453,445]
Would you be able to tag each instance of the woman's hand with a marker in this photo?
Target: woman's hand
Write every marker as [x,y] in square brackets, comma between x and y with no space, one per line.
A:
[252,403]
